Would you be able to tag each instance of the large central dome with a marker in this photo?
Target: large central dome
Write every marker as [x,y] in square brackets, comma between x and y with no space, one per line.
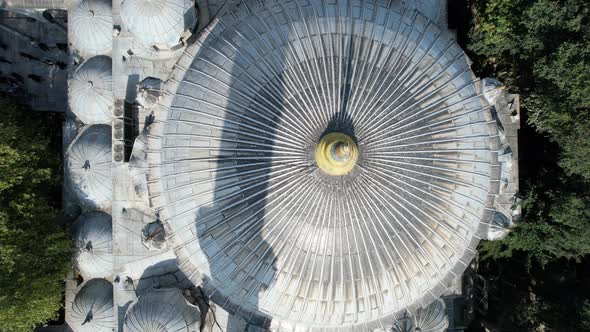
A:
[273,236]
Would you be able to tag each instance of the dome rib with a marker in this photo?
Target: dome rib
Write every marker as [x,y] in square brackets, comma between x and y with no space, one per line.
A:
[91,91]
[92,21]
[251,216]
[88,168]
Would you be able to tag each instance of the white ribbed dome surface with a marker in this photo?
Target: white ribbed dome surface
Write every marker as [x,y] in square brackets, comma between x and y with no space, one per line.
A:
[91,91]
[161,310]
[92,308]
[158,22]
[88,168]
[250,214]
[92,26]
[94,245]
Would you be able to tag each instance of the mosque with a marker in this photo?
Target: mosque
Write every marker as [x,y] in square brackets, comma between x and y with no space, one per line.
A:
[269,165]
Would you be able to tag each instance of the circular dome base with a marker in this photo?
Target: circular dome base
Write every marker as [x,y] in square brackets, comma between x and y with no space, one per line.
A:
[158,24]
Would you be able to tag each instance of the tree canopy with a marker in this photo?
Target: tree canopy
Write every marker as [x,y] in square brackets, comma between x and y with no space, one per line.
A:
[34,249]
[541,50]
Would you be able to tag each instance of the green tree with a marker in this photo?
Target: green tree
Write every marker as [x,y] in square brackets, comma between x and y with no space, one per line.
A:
[554,226]
[34,250]
[539,273]
[541,48]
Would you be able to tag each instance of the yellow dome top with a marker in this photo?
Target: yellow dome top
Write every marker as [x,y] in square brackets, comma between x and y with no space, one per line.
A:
[336,154]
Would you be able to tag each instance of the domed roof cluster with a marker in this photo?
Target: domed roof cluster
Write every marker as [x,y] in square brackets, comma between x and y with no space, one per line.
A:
[88,168]
[92,26]
[92,309]
[161,310]
[273,236]
[158,23]
[94,245]
[91,91]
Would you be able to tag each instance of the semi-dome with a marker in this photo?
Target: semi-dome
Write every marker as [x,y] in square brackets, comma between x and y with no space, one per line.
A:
[93,233]
[329,182]
[92,24]
[159,23]
[92,308]
[88,168]
[91,91]
[161,310]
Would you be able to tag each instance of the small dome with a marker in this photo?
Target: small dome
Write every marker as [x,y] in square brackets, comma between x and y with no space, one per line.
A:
[91,91]
[92,22]
[88,168]
[158,22]
[153,235]
[430,319]
[430,8]
[161,310]
[149,92]
[492,89]
[92,309]
[499,227]
[94,245]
